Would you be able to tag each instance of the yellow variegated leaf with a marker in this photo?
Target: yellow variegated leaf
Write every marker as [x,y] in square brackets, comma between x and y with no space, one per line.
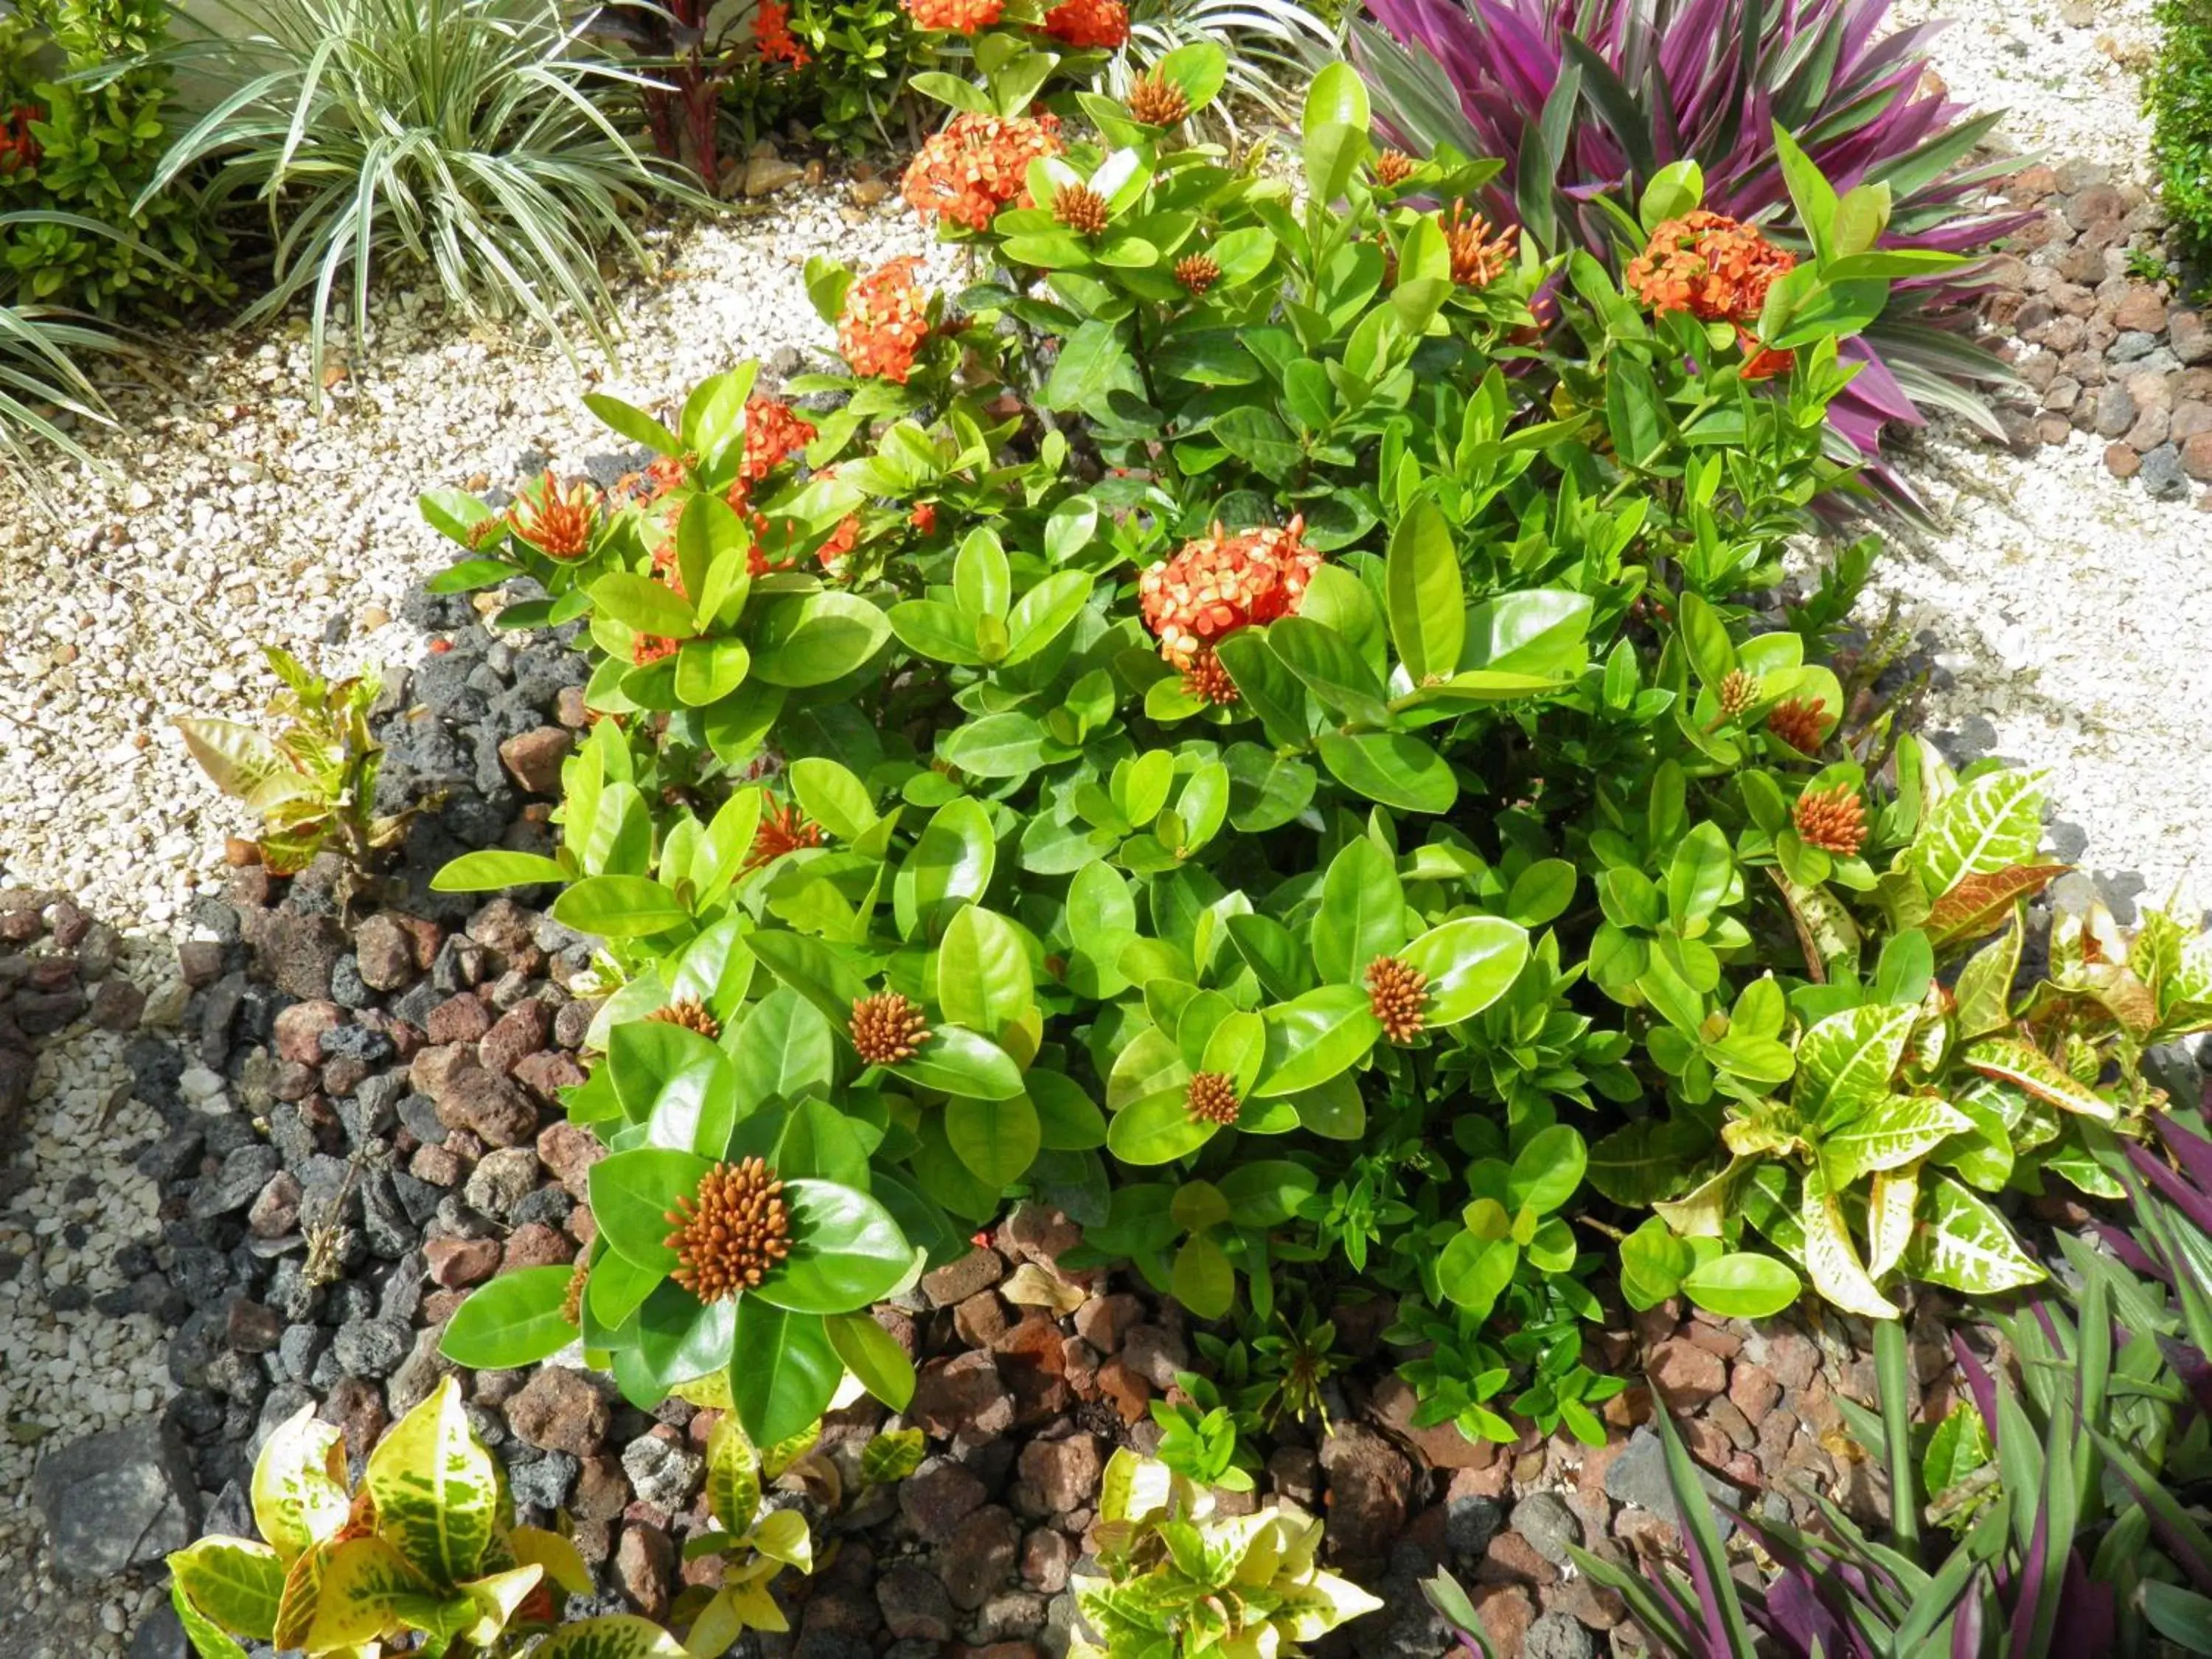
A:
[782,1536]
[236,1582]
[498,1596]
[1846,1062]
[1891,1199]
[2030,1068]
[774,1459]
[1980,828]
[619,1635]
[710,1393]
[303,1589]
[1896,1131]
[300,1484]
[209,1639]
[535,1546]
[1311,1610]
[715,1629]
[436,1490]
[1699,1212]
[1963,1243]
[365,1583]
[1832,1260]
[733,1486]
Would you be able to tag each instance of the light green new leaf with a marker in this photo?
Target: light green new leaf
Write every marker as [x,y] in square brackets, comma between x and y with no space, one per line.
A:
[1469,963]
[1428,620]
[1743,1285]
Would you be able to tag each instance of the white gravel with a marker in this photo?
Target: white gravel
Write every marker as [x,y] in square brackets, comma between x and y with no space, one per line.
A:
[240,517]
[2065,71]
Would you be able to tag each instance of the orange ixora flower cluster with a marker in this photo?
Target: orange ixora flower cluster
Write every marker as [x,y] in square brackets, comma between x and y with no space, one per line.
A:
[781,830]
[1478,255]
[1217,584]
[1718,269]
[772,32]
[977,165]
[557,522]
[732,1233]
[773,433]
[955,16]
[1833,820]
[886,318]
[1095,24]
[1800,723]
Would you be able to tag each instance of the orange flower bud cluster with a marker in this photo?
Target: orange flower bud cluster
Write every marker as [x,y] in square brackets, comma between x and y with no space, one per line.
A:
[887,1028]
[886,318]
[1220,583]
[1799,722]
[977,165]
[1479,256]
[1718,270]
[1833,820]
[1157,101]
[731,1236]
[1095,24]
[1398,995]
[955,16]
[691,1014]
[557,522]
[1393,167]
[1212,1098]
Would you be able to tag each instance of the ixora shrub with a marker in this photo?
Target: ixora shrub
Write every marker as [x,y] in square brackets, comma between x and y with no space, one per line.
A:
[1589,102]
[426,1545]
[1247,726]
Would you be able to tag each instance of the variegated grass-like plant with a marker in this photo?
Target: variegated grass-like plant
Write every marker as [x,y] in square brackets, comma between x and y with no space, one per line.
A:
[1587,101]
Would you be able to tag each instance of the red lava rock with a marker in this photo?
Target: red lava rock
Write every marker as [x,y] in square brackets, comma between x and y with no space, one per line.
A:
[355,1406]
[1036,1233]
[117,1004]
[1128,1392]
[1103,1319]
[491,1107]
[1368,1481]
[1060,1475]
[2197,457]
[980,1557]
[504,926]
[1512,1559]
[1713,1338]
[385,953]
[300,1028]
[522,1029]
[459,1018]
[914,1603]
[1753,1389]
[558,1410]
[251,1328]
[2142,311]
[1506,1612]
[1792,1357]
[1156,1354]
[645,1563]
[1047,1558]
[1441,1446]
[547,1072]
[533,760]
[569,1149]
[939,1498]
[457,1263]
[1686,1375]
[534,1244]
[962,1396]
[956,1281]
[981,1320]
